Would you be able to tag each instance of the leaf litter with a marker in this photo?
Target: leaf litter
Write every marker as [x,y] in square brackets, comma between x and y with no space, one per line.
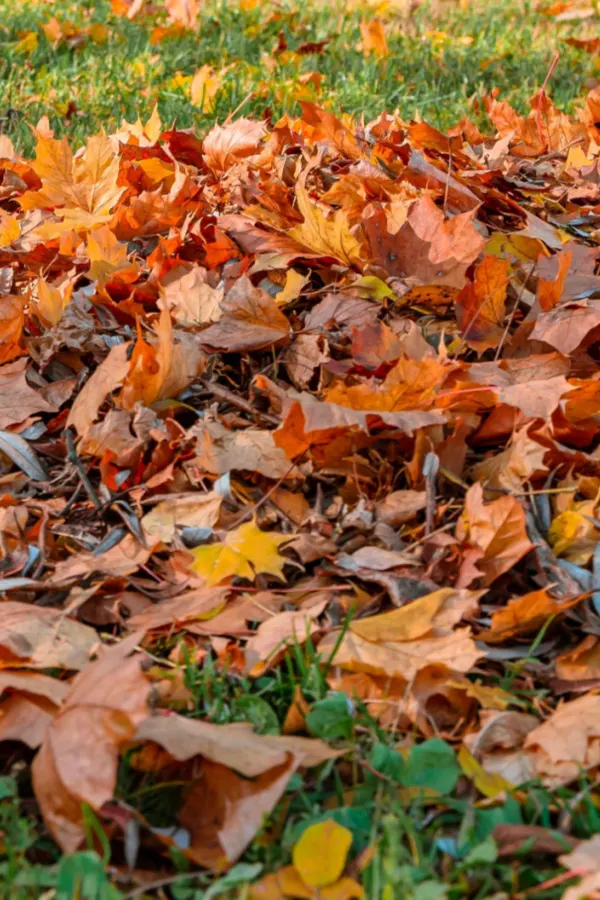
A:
[308,395]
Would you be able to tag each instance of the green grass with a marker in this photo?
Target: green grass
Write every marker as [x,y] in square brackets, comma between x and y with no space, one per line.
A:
[443,59]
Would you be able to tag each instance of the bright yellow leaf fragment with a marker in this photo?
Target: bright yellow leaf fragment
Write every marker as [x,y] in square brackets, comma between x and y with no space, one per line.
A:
[320,855]
[245,553]
[490,784]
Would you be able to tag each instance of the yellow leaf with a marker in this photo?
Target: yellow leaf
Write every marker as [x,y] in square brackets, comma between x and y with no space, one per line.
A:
[107,255]
[441,610]
[53,300]
[487,783]
[246,552]
[320,855]
[294,282]
[85,189]
[329,236]
[204,88]
[10,230]
[373,288]
[573,535]
[28,43]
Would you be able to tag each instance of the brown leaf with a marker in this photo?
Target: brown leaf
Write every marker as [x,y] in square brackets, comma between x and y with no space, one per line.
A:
[236,746]
[250,320]
[569,325]
[191,300]
[162,369]
[480,305]
[109,375]
[17,399]
[496,532]
[220,450]
[42,638]
[225,145]
[194,605]
[30,702]
[403,659]
[196,510]
[427,247]
[567,741]
[400,506]
[77,762]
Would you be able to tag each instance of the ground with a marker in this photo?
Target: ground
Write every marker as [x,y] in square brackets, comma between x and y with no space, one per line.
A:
[156,290]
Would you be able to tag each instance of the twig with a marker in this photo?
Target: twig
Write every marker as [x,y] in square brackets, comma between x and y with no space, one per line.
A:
[224,393]
[552,882]
[83,476]
[160,882]
[541,95]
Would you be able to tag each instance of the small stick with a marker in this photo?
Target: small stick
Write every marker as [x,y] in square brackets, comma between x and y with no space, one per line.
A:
[541,95]
[83,476]
[224,393]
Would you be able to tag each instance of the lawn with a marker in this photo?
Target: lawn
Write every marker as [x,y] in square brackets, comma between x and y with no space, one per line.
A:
[94,68]
[291,406]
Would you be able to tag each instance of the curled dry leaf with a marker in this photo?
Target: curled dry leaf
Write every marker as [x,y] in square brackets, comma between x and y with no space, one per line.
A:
[223,811]
[495,533]
[193,510]
[220,450]
[77,762]
[42,638]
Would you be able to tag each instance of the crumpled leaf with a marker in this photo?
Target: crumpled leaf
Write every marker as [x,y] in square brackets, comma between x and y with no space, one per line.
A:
[194,510]
[495,535]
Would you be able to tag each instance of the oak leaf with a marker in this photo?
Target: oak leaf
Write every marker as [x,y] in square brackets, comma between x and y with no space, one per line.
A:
[327,236]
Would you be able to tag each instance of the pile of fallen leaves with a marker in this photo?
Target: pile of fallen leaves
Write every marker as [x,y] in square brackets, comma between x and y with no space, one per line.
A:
[313,380]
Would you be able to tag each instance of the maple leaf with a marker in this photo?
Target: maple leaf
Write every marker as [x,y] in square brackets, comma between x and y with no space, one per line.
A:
[191,300]
[496,532]
[327,236]
[225,145]
[250,320]
[480,305]
[108,258]
[245,553]
[83,190]
[429,247]
[161,369]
